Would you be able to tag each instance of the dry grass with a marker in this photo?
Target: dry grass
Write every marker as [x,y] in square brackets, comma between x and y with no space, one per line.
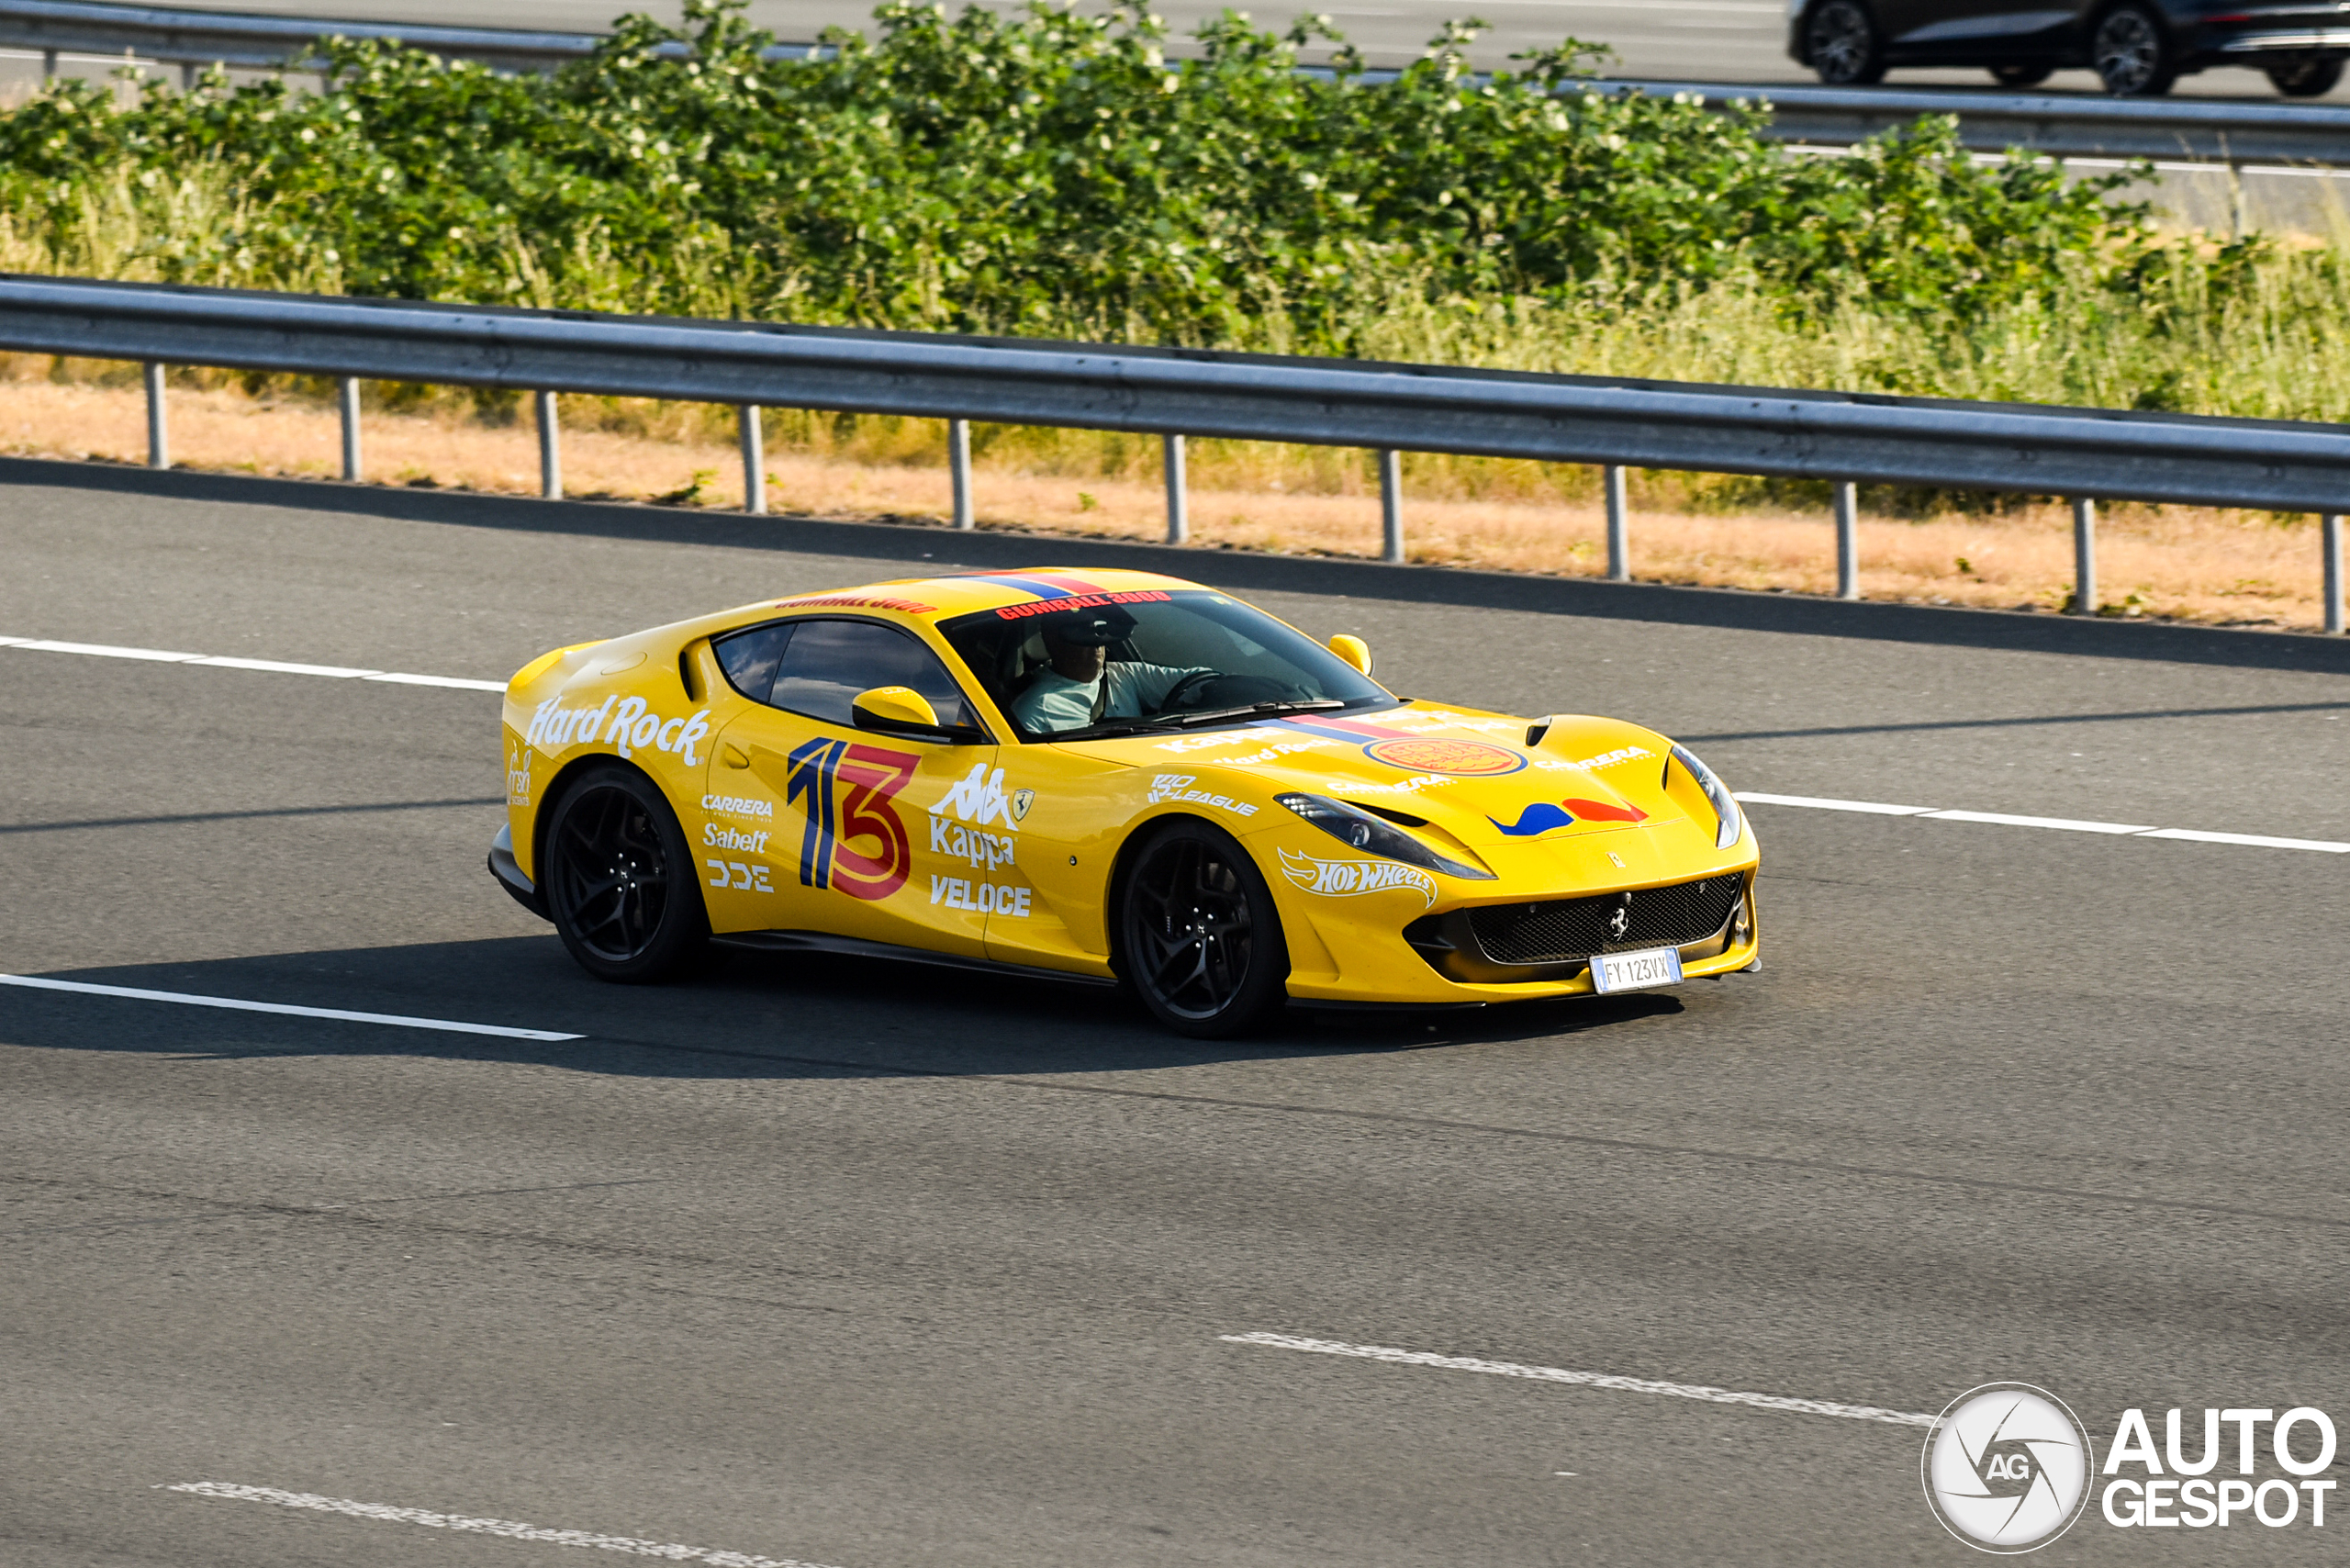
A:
[2182,563]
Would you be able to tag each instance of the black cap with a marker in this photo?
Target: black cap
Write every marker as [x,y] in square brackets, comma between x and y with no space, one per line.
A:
[1095,628]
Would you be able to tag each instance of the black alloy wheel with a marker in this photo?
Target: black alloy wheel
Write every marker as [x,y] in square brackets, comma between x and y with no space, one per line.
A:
[619,879]
[2021,75]
[2308,78]
[1841,38]
[2132,53]
[1200,940]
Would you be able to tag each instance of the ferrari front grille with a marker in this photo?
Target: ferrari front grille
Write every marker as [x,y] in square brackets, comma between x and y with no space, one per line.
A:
[1558,931]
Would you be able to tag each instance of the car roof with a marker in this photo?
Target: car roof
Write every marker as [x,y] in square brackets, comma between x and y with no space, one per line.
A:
[944,598]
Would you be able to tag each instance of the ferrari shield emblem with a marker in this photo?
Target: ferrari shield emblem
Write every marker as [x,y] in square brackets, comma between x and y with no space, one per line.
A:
[1021,800]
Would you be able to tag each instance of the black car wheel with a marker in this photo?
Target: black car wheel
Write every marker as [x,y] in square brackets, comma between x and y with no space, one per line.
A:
[1200,940]
[619,879]
[2132,53]
[2021,75]
[1841,38]
[2307,78]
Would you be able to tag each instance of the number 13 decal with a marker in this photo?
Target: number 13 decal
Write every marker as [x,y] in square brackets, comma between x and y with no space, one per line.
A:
[855,840]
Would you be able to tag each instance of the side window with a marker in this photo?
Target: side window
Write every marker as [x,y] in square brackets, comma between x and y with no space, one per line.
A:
[749,658]
[827,663]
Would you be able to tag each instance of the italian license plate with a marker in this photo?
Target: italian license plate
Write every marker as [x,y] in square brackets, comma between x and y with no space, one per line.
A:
[1634,971]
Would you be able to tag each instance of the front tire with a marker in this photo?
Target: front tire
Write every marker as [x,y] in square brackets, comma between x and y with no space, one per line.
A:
[1842,40]
[2307,78]
[620,879]
[2132,53]
[1198,937]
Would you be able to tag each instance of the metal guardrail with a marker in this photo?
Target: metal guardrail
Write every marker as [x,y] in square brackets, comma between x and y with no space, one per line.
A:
[1843,438]
[2061,127]
[193,40]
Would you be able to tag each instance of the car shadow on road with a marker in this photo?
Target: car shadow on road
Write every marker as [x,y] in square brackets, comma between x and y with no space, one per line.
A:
[744,1016]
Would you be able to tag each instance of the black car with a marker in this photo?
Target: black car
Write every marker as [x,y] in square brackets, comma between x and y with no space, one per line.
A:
[2137,46]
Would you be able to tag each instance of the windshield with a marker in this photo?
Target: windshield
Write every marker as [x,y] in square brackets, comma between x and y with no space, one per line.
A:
[1112,664]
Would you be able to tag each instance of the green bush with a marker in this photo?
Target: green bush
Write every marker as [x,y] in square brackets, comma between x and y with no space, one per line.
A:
[1036,172]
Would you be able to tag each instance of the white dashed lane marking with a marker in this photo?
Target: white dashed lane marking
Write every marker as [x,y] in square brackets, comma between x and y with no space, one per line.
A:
[224,661]
[2061,824]
[1873,808]
[1697,1390]
[234,1004]
[512,1529]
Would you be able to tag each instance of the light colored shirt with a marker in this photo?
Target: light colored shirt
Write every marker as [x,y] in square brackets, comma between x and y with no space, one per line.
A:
[1051,701]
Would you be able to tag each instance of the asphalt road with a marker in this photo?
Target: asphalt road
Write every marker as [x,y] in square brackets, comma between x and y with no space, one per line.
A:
[1701,40]
[857,1265]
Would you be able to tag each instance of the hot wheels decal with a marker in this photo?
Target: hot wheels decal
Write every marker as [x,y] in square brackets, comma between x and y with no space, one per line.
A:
[846,792]
[1346,878]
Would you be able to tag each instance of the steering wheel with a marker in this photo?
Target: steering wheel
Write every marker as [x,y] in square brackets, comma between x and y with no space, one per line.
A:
[1187,688]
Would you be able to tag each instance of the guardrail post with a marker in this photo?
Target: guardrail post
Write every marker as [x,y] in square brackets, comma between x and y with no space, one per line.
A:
[2084,557]
[159,435]
[1391,504]
[1848,540]
[47,65]
[2330,532]
[959,467]
[1620,530]
[350,399]
[550,447]
[755,459]
[1178,509]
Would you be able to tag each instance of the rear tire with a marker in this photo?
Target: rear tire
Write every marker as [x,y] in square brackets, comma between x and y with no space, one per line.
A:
[1198,937]
[619,879]
[2132,52]
[2307,78]
[1841,41]
[2021,75]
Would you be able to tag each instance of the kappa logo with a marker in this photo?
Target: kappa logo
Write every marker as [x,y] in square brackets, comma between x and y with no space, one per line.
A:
[982,851]
[624,725]
[1350,879]
[979,797]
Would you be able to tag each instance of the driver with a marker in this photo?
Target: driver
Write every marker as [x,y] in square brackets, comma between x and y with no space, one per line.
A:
[1081,687]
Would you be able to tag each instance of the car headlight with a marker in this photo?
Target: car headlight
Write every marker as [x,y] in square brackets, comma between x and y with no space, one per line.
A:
[1725,804]
[1360,830]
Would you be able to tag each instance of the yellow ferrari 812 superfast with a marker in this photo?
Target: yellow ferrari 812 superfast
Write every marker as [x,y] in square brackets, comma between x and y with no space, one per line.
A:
[1107,777]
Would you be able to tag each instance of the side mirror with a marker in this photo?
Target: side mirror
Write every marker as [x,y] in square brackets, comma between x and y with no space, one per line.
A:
[1354,650]
[903,710]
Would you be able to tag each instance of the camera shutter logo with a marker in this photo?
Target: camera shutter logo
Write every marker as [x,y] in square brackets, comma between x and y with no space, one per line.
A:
[2007,1467]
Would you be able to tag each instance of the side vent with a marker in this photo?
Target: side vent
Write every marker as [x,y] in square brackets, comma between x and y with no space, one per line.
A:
[687,676]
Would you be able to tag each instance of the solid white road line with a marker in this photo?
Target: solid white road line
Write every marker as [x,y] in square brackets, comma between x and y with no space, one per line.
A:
[1873,808]
[225,661]
[510,1528]
[1699,1391]
[233,1004]
[2066,824]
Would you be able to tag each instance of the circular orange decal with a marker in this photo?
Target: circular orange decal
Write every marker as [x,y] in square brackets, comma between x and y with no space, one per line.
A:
[1468,758]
